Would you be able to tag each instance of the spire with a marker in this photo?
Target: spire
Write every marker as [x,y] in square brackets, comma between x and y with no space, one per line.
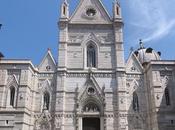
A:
[117,2]
[65,1]
[65,9]
[117,10]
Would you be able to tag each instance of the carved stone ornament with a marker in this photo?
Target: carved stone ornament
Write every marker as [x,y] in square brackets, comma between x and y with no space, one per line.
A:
[42,122]
[76,38]
[158,97]
[91,107]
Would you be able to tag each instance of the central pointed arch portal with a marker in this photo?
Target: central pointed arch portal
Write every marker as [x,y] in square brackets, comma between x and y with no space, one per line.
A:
[91,123]
[91,117]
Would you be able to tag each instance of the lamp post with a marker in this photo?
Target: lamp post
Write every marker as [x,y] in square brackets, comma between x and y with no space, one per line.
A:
[0,25]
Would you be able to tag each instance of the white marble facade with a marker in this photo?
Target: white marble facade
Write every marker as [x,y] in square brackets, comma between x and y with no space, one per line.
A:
[91,87]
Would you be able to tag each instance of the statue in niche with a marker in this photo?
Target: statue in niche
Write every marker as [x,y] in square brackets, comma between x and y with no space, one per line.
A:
[91,108]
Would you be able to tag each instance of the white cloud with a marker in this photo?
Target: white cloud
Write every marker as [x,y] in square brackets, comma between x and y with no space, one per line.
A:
[154,18]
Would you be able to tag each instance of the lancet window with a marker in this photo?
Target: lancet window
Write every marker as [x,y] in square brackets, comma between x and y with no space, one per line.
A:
[167,97]
[46,100]
[135,102]
[91,56]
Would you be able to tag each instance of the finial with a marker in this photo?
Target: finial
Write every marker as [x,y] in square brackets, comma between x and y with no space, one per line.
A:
[65,1]
[141,44]
[48,49]
[117,1]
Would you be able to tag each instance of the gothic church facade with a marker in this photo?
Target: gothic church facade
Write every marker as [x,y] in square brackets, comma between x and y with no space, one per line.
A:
[91,87]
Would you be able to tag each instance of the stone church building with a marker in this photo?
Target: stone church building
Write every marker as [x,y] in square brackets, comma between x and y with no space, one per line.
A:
[91,87]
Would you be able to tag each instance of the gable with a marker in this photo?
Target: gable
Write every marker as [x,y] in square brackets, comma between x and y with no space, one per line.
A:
[133,65]
[85,91]
[12,81]
[100,16]
[48,63]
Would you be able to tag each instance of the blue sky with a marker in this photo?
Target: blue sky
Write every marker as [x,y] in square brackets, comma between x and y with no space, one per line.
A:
[30,26]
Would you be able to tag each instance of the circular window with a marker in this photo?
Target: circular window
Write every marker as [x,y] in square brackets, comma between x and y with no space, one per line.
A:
[48,68]
[90,12]
[91,90]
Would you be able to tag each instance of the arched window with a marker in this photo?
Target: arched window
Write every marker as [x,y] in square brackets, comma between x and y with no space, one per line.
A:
[117,10]
[167,97]
[64,10]
[12,96]
[46,100]
[91,56]
[135,102]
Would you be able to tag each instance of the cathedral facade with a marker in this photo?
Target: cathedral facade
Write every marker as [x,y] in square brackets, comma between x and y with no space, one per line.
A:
[91,87]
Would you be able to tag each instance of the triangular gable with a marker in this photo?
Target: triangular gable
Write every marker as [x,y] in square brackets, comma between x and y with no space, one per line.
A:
[46,86]
[12,81]
[48,63]
[80,16]
[133,65]
[91,83]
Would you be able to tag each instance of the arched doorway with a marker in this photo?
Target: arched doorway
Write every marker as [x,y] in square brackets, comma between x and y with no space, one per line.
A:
[91,117]
[91,123]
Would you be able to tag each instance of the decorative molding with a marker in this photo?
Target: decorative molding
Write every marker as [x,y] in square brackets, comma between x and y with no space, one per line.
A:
[134,76]
[46,75]
[77,75]
[96,75]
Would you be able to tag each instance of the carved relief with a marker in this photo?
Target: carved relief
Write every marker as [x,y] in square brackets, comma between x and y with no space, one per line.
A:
[42,122]
[105,38]
[91,107]
[76,38]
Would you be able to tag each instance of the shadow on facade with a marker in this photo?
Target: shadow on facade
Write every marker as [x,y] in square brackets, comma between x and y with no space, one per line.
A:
[137,100]
[164,102]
